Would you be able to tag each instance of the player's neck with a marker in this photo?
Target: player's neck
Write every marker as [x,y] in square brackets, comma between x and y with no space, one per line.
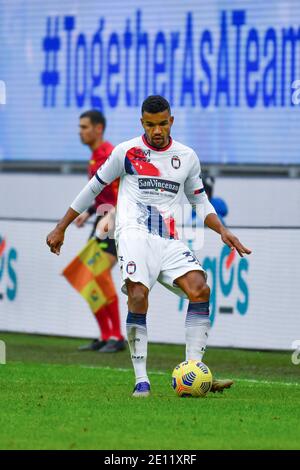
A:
[154,147]
[96,144]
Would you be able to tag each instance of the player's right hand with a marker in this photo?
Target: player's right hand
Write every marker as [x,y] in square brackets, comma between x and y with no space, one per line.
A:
[55,240]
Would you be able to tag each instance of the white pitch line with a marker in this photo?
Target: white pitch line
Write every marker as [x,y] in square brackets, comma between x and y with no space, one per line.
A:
[266,382]
[156,372]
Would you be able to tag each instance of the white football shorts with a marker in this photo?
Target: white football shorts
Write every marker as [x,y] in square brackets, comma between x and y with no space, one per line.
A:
[148,258]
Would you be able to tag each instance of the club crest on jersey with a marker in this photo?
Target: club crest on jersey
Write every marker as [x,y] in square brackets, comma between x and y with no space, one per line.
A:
[131,267]
[175,162]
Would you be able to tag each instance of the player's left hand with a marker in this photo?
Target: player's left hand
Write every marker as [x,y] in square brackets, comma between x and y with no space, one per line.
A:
[234,243]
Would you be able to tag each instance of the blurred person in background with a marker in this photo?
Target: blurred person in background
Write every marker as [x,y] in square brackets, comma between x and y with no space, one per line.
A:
[218,203]
[92,126]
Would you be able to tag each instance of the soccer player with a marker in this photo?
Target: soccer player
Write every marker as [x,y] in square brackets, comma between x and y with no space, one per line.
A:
[92,126]
[155,172]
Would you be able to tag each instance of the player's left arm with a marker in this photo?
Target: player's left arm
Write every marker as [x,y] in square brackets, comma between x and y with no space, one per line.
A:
[196,195]
[213,222]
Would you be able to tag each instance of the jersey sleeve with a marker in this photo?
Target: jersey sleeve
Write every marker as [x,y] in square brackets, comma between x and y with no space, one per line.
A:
[194,189]
[112,169]
[194,183]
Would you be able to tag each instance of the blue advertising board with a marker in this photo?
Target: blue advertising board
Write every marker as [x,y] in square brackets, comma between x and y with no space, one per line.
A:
[230,70]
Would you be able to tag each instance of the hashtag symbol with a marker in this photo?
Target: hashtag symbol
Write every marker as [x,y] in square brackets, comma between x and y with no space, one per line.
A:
[50,76]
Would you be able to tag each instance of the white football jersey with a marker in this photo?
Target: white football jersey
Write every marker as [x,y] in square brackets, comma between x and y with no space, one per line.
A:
[152,184]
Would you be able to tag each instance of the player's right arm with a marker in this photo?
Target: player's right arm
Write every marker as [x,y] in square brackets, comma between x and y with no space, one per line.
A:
[112,169]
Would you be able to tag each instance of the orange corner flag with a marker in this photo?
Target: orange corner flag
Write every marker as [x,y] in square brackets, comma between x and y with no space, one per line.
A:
[89,273]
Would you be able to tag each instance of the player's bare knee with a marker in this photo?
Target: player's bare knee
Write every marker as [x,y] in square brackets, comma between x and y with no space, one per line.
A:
[200,293]
[138,298]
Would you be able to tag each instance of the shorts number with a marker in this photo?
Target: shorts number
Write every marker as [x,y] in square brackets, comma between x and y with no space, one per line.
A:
[189,254]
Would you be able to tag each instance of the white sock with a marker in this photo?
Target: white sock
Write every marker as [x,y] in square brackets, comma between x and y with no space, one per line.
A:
[197,325]
[138,343]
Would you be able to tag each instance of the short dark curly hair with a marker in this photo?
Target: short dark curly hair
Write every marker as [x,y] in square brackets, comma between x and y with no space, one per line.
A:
[95,116]
[155,104]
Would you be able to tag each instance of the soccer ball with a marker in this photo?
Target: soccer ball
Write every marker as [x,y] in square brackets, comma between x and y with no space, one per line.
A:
[191,379]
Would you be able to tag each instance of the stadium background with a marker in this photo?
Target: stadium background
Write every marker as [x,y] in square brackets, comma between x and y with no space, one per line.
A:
[232,74]
[229,72]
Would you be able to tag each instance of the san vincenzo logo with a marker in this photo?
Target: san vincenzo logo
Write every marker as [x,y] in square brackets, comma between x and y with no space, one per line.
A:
[8,276]
[227,278]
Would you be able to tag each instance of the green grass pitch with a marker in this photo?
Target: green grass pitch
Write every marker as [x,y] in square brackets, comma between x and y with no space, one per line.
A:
[53,397]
